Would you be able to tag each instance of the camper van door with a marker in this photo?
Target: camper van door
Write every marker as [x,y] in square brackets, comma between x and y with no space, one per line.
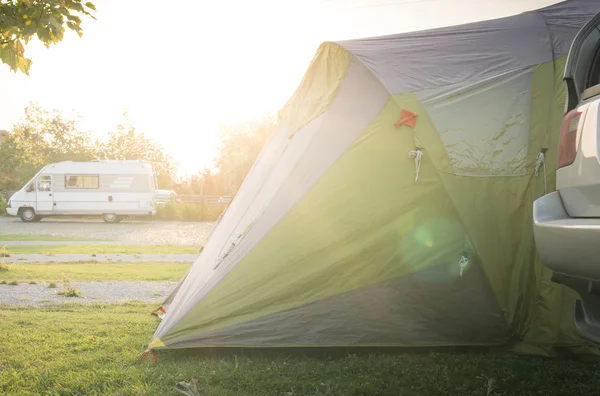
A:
[45,199]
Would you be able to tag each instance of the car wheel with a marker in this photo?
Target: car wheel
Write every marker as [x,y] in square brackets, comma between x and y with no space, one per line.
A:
[28,215]
[111,218]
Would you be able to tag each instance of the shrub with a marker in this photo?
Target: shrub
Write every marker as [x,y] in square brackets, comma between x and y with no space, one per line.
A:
[13,283]
[168,211]
[3,206]
[4,252]
[189,211]
[52,285]
[69,291]
[4,266]
[212,213]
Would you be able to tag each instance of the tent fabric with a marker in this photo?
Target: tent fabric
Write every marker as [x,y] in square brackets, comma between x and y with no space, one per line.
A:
[332,240]
[377,316]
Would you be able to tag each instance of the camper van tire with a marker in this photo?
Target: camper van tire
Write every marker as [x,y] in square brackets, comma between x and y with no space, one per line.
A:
[28,215]
[111,218]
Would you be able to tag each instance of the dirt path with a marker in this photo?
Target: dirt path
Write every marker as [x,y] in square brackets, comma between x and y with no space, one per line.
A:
[108,257]
[150,232]
[62,243]
[92,293]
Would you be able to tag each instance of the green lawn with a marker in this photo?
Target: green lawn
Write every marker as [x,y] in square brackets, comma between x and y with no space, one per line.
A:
[96,249]
[89,271]
[90,350]
[16,237]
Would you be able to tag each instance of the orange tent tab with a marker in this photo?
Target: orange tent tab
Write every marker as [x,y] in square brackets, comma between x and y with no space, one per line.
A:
[407,118]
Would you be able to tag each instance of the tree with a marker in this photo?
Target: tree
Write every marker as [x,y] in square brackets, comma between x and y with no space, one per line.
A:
[21,20]
[240,146]
[127,144]
[41,137]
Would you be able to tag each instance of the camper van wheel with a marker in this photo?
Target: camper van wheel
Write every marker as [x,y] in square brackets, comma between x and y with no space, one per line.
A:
[111,218]
[28,215]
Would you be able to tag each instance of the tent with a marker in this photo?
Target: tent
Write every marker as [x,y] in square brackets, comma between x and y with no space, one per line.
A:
[393,204]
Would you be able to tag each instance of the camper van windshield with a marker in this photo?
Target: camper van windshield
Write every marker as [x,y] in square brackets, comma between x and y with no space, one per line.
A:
[29,187]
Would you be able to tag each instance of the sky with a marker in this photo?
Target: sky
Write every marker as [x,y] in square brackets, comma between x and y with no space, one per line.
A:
[181,69]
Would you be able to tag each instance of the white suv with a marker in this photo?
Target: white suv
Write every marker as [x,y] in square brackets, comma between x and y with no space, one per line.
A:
[567,222]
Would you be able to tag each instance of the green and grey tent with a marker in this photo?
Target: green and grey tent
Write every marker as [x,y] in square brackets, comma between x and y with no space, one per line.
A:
[392,206]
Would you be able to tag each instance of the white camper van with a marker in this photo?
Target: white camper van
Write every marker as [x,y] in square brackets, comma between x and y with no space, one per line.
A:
[111,189]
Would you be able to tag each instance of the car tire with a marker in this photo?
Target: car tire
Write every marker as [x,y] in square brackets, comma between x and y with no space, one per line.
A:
[28,215]
[111,218]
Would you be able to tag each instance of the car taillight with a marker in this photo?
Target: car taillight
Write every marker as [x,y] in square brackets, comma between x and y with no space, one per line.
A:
[569,141]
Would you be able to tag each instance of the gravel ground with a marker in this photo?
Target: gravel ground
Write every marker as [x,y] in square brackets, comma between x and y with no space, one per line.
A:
[93,292]
[62,243]
[108,257]
[150,232]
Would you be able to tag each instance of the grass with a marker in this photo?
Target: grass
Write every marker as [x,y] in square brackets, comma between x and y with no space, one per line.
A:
[98,249]
[4,267]
[94,271]
[31,237]
[75,349]
[52,285]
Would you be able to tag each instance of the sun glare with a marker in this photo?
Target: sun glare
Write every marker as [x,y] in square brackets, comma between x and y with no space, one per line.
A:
[180,71]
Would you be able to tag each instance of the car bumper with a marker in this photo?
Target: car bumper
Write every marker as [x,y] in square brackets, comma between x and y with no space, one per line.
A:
[566,245]
[12,211]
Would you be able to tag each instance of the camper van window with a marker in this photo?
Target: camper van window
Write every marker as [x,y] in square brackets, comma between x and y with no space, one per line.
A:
[80,181]
[29,188]
[44,183]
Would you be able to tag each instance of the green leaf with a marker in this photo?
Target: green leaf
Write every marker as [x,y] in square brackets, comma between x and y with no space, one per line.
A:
[19,47]
[90,5]
[29,30]
[77,6]
[43,34]
[24,64]
[74,18]
[8,56]
[55,23]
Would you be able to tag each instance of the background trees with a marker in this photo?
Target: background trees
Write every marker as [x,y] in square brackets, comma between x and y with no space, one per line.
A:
[46,136]
[43,137]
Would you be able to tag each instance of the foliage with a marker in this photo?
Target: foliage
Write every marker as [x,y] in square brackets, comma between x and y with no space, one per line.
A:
[239,148]
[69,291]
[104,249]
[168,211]
[77,349]
[4,252]
[44,137]
[21,20]
[188,211]
[3,205]
[128,144]
[52,285]
[41,137]
[4,267]
[96,271]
